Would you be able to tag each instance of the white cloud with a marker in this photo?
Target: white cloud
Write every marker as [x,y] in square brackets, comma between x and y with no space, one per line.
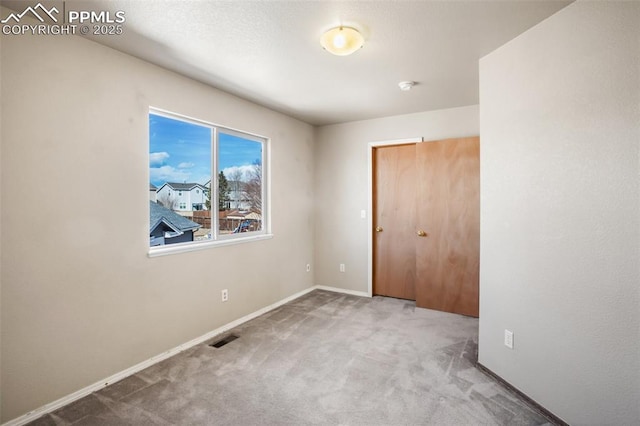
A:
[242,173]
[157,158]
[185,165]
[168,174]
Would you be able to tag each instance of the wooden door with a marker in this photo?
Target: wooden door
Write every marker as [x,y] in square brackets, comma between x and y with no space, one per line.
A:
[394,266]
[448,211]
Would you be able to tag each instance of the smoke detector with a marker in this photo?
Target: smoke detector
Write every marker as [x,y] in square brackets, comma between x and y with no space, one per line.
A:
[406,85]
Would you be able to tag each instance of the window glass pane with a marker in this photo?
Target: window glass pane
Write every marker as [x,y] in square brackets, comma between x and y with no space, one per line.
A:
[240,192]
[180,175]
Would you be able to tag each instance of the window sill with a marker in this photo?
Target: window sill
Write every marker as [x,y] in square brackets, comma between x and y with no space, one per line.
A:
[187,247]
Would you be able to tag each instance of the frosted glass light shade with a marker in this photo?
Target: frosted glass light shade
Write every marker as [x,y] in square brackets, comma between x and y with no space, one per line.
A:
[342,41]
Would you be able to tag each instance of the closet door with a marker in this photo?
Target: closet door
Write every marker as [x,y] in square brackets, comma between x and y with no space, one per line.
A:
[447,234]
[394,249]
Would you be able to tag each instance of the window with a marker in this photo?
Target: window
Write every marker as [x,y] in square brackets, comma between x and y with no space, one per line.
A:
[187,154]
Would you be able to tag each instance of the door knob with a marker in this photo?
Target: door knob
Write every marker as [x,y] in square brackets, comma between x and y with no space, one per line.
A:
[378,228]
[421,233]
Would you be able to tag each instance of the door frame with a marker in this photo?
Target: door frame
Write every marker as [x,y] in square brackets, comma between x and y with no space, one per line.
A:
[370,147]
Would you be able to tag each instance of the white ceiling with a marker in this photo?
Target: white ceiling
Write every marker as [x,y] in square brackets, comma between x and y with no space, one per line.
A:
[269,51]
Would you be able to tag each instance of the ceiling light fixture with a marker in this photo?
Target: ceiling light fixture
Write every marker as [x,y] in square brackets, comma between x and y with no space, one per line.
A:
[406,85]
[342,41]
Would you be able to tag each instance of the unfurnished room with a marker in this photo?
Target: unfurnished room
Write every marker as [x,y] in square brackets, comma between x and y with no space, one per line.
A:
[289,212]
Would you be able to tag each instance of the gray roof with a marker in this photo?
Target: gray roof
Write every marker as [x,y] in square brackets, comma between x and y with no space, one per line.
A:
[159,214]
[183,186]
[152,187]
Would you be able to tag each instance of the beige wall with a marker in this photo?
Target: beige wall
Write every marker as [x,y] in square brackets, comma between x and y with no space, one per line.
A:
[341,190]
[1,174]
[560,219]
[80,298]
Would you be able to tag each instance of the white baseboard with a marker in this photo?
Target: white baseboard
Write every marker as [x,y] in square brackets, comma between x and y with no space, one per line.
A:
[52,406]
[343,290]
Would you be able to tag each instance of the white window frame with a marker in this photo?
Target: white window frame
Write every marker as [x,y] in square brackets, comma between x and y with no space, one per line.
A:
[217,239]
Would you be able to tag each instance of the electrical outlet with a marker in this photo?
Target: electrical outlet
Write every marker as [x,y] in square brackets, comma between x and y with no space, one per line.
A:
[225,295]
[508,339]
[342,267]
[308,267]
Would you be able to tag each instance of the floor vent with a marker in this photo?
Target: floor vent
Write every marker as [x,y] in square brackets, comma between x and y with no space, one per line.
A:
[220,343]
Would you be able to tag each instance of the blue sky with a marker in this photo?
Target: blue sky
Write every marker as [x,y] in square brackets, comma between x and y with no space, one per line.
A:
[181,151]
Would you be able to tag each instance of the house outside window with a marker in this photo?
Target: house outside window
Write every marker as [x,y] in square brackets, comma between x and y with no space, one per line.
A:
[218,175]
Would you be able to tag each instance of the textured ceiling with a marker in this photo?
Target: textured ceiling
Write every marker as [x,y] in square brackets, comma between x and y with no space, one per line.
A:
[269,51]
